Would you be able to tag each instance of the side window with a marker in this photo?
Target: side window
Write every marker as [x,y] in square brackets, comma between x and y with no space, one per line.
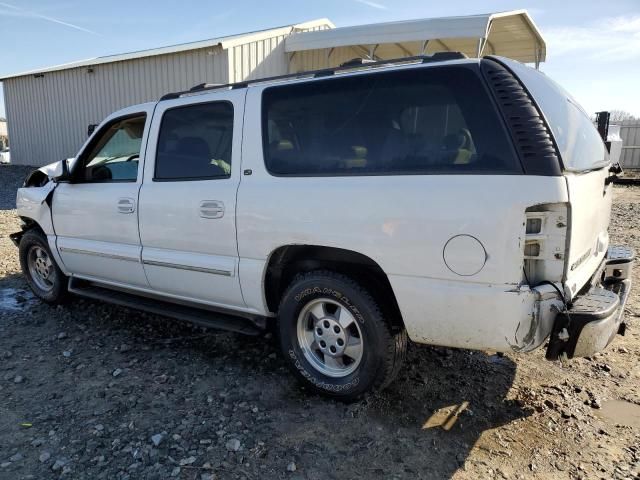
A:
[195,142]
[414,121]
[115,154]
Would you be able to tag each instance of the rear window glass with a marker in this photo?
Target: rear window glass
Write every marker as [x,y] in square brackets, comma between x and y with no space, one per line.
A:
[578,140]
[194,142]
[423,120]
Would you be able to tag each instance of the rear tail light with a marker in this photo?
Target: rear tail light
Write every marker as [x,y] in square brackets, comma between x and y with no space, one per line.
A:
[531,249]
[545,243]
[534,225]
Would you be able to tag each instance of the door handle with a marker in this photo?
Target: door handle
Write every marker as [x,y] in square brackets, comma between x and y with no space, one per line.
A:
[126,205]
[211,209]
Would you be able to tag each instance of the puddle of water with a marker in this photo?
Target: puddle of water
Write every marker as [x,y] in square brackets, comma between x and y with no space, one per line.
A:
[14,300]
[620,412]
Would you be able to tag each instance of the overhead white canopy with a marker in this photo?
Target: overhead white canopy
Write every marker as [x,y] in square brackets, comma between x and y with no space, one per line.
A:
[511,34]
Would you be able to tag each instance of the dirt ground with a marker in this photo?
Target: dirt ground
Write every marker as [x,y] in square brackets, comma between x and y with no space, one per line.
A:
[93,391]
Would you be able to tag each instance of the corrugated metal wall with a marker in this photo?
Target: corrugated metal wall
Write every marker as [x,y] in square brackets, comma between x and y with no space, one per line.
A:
[630,134]
[318,59]
[48,116]
[259,59]
[262,58]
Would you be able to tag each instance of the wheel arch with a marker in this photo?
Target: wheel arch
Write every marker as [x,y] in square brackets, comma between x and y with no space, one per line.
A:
[286,261]
[27,224]
[30,224]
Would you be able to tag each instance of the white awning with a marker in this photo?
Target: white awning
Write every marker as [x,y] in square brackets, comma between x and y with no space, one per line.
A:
[511,34]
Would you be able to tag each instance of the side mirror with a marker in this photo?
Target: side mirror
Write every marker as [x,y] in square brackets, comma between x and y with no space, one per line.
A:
[61,172]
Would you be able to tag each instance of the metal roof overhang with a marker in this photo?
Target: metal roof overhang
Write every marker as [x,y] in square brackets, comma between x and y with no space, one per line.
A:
[511,34]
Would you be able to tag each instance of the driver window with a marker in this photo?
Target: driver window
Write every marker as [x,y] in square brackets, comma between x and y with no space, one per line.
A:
[114,157]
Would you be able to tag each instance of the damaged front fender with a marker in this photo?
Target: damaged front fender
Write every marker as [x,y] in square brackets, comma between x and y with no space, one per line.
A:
[33,206]
[33,200]
[48,173]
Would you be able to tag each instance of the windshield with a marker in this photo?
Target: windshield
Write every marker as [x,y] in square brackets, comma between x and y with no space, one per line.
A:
[581,147]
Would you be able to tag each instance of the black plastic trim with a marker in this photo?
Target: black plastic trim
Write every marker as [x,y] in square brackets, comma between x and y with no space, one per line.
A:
[191,179]
[205,318]
[27,224]
[529,131]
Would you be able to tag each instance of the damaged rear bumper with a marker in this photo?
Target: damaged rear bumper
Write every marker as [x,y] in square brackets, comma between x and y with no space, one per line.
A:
[594,318]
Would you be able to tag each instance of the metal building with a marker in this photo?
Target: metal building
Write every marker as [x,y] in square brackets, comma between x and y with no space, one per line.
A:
[630,134]
[49,110]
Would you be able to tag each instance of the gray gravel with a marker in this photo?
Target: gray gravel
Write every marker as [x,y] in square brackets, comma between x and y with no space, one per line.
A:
[189,403]
[11,178]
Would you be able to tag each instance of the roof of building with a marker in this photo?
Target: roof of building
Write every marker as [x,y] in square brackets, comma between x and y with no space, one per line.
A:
[223,42]
[511,34]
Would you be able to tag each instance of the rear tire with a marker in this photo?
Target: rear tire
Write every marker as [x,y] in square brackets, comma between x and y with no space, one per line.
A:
[335,338]
[40,268]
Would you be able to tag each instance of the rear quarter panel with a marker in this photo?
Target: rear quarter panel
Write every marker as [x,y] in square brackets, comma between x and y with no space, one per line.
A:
[403,224]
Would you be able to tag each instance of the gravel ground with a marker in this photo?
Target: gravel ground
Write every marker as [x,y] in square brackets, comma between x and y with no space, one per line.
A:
[93,391]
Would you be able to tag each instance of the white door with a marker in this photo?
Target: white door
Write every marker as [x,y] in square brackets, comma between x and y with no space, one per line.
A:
[95,216]
[188,199]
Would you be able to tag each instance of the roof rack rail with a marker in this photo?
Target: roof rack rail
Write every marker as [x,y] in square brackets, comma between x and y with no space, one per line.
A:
[356,63]
[202,86]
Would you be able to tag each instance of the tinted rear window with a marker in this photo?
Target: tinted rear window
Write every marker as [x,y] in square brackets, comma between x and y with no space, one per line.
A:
[195,142]
[414,121]
[578,140]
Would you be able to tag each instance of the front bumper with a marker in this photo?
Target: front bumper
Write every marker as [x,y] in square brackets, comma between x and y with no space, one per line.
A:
[595,317]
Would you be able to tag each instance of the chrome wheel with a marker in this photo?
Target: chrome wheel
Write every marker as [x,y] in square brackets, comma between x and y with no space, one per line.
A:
[41,268]
[330,337]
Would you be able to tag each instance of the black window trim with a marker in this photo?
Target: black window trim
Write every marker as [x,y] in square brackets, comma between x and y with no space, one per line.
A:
[95,138]
[473,67]
[194,179]
[552,168]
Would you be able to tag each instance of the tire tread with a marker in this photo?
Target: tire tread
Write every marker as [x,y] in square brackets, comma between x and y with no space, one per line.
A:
[395,336]
[60,294]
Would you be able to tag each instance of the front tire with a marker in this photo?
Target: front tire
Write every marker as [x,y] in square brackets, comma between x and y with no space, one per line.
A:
[335,338]
[40,269]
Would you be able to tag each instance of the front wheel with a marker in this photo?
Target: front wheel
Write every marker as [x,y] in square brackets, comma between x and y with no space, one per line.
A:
[43,274]
[335,338]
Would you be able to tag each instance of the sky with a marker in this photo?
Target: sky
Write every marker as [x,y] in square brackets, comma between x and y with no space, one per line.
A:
[593,47]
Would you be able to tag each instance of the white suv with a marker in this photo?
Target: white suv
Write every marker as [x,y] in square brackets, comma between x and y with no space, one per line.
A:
[445,200]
